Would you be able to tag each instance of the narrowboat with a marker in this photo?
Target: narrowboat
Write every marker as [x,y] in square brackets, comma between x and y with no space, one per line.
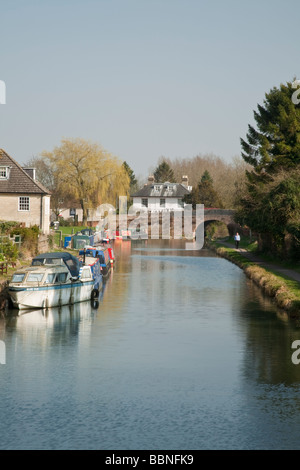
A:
[102,254]
[88,258]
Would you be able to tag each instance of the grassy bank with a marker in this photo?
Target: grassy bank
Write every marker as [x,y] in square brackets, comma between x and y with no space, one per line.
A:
[286,292]
[63,231]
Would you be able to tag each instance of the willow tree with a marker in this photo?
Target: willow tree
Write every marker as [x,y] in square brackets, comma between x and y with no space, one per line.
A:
[88,173]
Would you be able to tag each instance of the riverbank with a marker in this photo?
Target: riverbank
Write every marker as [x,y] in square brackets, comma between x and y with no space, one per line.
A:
[282,284]
[3,296]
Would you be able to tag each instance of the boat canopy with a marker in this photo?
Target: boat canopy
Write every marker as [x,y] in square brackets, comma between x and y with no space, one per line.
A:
[69,260]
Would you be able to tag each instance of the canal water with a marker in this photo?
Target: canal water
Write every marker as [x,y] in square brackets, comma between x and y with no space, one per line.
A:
[182,353]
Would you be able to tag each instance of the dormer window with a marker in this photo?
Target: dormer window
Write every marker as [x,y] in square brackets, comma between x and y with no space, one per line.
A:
[4,172]
[157,187]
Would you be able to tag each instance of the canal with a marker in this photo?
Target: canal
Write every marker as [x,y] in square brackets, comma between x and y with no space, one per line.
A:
[183,352]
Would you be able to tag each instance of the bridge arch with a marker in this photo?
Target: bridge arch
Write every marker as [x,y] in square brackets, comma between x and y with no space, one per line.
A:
[218,215]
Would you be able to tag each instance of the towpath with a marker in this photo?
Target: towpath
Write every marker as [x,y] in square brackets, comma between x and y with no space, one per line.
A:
[290,273]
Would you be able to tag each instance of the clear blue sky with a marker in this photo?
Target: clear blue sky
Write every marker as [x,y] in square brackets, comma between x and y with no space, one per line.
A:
[143,78]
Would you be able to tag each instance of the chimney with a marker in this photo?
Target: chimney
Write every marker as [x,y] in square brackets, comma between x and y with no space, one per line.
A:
[151,179]
[185,181]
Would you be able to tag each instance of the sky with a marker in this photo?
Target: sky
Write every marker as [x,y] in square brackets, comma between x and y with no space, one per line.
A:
[143,78]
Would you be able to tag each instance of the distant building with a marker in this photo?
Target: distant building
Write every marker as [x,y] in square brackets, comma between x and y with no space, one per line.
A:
[22,198]
[159,197]
[68,209]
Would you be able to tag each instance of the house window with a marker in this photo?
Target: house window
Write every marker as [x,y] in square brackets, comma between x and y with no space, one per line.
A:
[72,212]
[163,203]
[3,172]
[23,203]
[145,202]
[180,203]
[157,187]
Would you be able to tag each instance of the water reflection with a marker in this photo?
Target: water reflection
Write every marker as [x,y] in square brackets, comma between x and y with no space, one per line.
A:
[183,352]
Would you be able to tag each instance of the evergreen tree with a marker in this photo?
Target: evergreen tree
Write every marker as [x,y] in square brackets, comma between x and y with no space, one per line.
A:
[276,141]
[206,178]
[271,203]
[192,198]
[164,173]
[204,193]
[130,172]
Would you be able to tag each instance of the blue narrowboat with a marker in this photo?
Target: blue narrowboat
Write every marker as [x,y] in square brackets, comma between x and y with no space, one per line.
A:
[99,255]
[87,258]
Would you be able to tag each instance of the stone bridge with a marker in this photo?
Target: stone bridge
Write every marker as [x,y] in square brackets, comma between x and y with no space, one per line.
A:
[160,220]
[222,215]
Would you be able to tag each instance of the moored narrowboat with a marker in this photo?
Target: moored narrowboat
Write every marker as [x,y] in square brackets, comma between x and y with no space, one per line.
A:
[102,254]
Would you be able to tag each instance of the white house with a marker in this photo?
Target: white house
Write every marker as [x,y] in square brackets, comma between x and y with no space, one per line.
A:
[159,197]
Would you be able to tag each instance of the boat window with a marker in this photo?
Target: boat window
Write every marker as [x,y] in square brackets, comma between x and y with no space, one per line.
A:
[18,277]
[61,277]
[35,277]
[52,261]
[72,266]
[101,259]
[50,278]
[37,262]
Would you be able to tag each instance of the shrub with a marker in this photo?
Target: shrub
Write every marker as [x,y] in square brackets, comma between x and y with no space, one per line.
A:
[29,238]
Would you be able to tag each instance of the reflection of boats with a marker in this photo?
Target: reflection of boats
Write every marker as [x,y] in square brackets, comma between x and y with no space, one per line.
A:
[53,323]
[52,280]
[121,235]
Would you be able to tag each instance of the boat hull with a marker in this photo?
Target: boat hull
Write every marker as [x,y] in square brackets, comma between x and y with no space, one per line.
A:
[50,296]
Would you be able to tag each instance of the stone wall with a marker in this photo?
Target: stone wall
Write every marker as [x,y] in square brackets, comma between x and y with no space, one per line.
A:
[43,243]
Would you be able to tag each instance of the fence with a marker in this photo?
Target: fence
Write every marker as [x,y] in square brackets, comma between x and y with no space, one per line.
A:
[15,239]
[3,268]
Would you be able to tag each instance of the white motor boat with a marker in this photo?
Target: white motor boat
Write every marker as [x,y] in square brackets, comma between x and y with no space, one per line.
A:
[53,280]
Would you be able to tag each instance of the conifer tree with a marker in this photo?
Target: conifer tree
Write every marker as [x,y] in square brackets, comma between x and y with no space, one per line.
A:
[204,193]
[130,172]
[164,173]
[276,141]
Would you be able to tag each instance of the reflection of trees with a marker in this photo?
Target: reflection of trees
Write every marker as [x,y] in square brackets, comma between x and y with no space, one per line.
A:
[269,336]
[116,286]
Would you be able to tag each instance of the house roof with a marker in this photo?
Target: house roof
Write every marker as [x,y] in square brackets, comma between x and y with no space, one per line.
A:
[19,180]
[162,190]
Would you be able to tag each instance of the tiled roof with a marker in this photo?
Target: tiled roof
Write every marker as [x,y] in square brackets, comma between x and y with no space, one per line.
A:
[19,181]
[162,190]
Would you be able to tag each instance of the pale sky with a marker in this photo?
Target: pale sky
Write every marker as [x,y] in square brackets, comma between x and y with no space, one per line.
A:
[143,78]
